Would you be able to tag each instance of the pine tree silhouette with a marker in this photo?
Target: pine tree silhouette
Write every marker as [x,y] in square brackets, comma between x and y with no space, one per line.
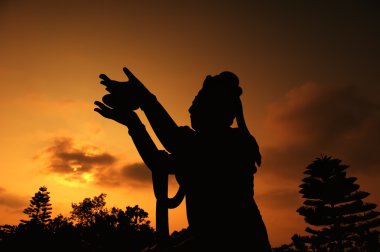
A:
[39,210]
[334,205]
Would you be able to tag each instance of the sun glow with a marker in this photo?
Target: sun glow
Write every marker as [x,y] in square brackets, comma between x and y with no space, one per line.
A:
[88,177]
[64,180]
[75,179]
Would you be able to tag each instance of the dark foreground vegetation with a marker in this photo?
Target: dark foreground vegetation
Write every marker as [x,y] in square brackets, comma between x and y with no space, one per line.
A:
[90,227]
[334,207]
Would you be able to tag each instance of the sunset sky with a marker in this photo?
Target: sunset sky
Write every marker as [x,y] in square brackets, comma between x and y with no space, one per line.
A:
[310,73]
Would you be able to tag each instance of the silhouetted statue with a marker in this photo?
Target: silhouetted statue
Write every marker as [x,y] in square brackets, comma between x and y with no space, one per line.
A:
[213,163]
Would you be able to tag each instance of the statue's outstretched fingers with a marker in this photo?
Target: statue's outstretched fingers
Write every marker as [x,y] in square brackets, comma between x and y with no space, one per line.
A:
[103,109]
[101,112]
[129,74]
[107,81]
[101,105]
[133,79]
[104,77]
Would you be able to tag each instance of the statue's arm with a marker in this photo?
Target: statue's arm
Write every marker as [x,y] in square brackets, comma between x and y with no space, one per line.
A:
[155,159]
[162,124]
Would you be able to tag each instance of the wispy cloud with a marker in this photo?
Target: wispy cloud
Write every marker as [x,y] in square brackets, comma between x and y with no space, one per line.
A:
[315,119]
[280,198]
[10,200]
[308,121]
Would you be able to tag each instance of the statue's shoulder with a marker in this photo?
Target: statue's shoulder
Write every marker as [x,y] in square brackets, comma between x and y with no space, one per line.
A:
[186,131]
[184,136]
[248,145]
[244,136]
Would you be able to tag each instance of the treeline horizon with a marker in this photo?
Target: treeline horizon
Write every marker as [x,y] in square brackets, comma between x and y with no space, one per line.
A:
[91,226]
[334,208]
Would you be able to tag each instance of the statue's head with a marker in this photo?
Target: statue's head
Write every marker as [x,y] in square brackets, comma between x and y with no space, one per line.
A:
[217,102]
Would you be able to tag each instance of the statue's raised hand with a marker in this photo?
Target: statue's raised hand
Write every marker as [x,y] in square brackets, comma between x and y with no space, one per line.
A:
[126,117]
[127,95]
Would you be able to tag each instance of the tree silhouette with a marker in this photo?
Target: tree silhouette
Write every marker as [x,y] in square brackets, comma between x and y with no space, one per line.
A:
[91,227]
[335,207]
[63,233]
[39,210]
[137,217]
[86,212]
[32,233]
[103,229]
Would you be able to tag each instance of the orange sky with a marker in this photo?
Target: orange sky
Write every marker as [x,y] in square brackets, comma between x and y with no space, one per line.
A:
[309,72]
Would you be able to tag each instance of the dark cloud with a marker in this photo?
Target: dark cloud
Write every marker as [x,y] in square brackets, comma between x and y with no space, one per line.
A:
[319,113]
[289,160]
[315,119]
[109,177]
[10,200]
[73,163]
[133,175]
[137,172]
[65,158]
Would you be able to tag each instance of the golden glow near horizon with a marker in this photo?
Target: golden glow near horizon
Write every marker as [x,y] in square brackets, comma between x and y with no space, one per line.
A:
[307,90]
